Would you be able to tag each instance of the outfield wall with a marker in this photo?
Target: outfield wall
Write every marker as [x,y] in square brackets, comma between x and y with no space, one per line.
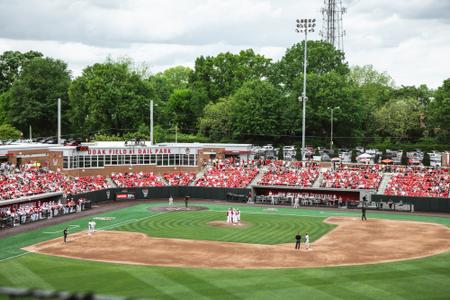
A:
[224,194]
[425,204]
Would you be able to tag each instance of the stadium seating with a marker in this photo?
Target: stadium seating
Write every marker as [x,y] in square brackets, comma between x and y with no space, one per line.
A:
[179,178]
[227,174]
[27,181]
[419,183]
[129,180]
[290,174]
[357,178]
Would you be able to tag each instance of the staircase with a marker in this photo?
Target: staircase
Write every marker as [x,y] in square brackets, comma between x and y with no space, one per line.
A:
[319,178]
[258,177]
[199,175]
[384,183]
[111,183]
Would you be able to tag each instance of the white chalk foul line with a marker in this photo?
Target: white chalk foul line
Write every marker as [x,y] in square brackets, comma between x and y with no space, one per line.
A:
[125,222]
[15,256]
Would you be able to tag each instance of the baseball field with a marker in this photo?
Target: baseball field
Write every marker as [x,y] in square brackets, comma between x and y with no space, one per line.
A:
[148,251]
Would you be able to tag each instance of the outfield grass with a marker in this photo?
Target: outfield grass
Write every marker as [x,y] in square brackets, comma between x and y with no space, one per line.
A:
[426,278]
[262,228]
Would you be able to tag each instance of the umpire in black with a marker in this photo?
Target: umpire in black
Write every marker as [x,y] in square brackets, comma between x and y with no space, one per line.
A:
[65,233]
[186,201]
[363,209]
[298,239]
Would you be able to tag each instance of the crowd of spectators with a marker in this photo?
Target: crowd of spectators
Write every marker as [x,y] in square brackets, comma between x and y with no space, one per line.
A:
[32,179]
[228,174]
[180,178]
[368,177]
[418,182]
[35,211]
[290,173]
[76,185]
[129,180]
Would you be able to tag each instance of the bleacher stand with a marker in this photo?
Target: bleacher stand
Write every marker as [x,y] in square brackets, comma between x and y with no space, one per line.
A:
[290,174]
[228,174]
[419,182]
[180,178]
[368,177]
[129,180]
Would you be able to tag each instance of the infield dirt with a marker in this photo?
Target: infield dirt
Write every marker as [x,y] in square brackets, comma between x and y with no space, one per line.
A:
[351,242]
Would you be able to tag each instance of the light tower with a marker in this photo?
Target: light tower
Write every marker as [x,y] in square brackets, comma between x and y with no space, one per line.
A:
[304,26]
[333,29]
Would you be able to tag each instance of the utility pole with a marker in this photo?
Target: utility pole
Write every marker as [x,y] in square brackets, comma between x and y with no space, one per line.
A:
[151,122]
[176,133]
[59,120]
[331,130]
[31,135]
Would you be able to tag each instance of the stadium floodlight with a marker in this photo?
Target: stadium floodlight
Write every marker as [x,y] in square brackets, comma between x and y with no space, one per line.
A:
[304,26]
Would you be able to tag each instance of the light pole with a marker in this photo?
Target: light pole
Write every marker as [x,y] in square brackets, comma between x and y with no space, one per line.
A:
[151,122]
[331,136]
[304,26]
[59,121]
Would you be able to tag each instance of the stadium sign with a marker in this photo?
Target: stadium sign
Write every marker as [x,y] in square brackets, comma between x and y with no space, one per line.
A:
[130,151]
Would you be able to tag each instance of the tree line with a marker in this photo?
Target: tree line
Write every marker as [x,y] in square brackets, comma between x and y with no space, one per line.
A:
[243,97]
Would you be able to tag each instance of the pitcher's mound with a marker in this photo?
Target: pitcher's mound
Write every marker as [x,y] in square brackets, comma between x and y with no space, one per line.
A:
[225,224]
[177,208]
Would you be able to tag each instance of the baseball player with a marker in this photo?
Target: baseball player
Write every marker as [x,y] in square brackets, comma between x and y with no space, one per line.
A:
[298,240]
[89,227]
[170,200]
[65,233]
[363,209]
[296,201]
[307,241]
[238,216]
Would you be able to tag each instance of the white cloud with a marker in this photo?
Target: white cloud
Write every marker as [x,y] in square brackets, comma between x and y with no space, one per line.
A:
[408,39]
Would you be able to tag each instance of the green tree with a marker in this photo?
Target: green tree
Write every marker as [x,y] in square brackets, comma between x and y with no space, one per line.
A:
[325,91]
[8,132]
[221,75]
[179,108]
[439,112]
[110,97]
[404,159]
[163,84]
[256,111]
[400,119]
[216,120]
[426,159]
[353,157]
[375,89]
[322,58]
[31,100]
[11,64]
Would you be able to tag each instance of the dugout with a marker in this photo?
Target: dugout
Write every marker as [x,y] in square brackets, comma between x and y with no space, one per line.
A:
[349,198]
[422,204]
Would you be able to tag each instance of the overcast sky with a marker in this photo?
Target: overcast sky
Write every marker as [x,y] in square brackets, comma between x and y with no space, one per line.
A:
[409,39]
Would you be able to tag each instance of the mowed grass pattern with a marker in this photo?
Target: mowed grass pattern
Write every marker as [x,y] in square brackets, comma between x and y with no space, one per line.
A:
[260,229]
[426,278]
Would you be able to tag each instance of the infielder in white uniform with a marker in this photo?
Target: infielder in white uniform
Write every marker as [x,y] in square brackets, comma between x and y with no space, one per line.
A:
[307,242]
[229,215]
[170,200]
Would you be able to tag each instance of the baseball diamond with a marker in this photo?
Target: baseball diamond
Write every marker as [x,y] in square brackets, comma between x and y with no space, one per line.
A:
[172,254]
